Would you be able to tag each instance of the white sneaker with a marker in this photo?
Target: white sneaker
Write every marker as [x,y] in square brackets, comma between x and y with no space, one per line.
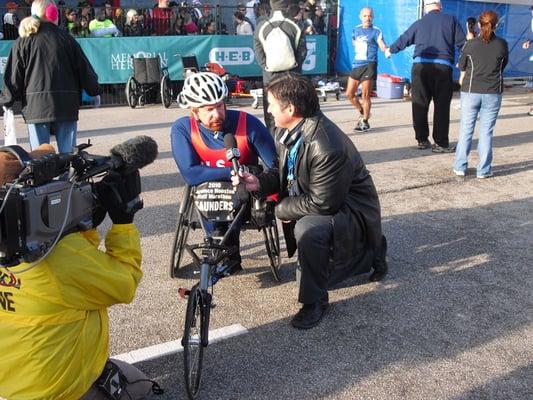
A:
[484,176]
[362,126]
[97,100]
[459,173]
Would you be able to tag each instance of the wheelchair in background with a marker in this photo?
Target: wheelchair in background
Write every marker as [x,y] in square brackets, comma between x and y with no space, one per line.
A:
[260,218]
[148,80]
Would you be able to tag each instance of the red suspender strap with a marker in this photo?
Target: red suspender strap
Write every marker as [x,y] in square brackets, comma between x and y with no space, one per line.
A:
[199,146]
[213,156]
[248,157]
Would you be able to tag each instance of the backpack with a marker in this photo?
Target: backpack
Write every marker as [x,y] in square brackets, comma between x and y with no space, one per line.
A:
[279,51]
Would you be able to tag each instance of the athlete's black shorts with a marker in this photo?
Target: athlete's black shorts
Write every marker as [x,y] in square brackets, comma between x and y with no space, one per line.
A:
[365,73]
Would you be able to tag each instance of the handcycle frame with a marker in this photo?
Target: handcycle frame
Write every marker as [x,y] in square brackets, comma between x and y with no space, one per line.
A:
[185,223]
[199,302]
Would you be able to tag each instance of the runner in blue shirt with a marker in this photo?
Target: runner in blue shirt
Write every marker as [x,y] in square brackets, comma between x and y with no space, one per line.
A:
[365,39]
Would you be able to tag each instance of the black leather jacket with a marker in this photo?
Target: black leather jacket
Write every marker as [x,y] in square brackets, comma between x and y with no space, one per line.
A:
[47,72]
[333,180]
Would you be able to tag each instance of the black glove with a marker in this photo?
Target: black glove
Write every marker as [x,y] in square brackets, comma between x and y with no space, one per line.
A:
[119,195]
[255,169]
[99,212]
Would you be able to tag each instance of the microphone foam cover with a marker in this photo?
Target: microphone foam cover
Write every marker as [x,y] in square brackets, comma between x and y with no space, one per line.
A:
[136,152]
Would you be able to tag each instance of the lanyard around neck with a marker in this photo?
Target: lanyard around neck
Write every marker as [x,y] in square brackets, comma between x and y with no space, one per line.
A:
[291,159]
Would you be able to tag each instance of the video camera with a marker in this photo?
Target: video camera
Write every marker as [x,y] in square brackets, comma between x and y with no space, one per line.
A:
[54,196]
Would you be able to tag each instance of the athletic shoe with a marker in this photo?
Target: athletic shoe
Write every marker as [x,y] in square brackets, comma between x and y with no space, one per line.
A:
[484,176]
[459,173]
[425,144]
[439,149]
[362,126]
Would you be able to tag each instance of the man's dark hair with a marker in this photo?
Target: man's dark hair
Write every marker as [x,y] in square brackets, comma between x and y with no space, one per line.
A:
[471,22]
[292,11]
[297,90]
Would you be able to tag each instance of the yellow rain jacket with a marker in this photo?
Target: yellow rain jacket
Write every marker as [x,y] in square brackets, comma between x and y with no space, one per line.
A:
[54,327]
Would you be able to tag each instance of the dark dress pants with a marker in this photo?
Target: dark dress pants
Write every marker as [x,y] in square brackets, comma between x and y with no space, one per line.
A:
[431,82]
[314,236]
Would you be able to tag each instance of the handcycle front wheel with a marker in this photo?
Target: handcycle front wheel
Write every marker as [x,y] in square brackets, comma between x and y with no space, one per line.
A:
[271,236]
[194,341]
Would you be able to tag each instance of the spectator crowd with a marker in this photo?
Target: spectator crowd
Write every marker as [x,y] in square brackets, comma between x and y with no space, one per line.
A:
[107,19]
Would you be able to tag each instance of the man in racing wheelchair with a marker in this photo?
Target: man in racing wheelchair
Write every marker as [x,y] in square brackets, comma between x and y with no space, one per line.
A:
[198,142]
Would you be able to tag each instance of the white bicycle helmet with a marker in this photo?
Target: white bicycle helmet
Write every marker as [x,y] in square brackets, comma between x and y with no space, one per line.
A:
[202,89]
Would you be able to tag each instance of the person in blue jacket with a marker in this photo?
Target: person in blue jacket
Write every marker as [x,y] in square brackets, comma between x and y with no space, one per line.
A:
[526,45]
[198,139]
[435,37]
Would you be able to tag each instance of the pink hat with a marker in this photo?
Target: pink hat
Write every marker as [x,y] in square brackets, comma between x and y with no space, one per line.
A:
[52,13]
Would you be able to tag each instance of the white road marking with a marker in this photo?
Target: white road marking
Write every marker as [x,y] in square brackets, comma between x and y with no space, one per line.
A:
[164,349]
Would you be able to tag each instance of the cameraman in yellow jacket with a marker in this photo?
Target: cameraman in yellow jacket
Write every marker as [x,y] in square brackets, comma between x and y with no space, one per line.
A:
[53,317]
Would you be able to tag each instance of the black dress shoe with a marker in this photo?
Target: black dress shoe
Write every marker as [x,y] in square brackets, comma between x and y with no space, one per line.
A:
[378,275]
[310,315]
[380,262]
[424,144]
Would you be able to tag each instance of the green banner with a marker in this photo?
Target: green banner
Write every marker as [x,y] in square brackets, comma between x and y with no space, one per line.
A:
[5,46]
[111,57]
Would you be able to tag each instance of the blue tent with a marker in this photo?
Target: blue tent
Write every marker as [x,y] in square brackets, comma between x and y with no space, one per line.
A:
[393,17]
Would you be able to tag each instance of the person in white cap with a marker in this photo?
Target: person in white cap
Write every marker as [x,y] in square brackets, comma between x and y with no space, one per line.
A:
[434,35]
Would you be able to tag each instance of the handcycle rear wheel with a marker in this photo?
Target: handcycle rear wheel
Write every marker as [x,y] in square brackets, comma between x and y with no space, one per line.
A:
[271,236]
[194,341]
[166,92]
[180,238]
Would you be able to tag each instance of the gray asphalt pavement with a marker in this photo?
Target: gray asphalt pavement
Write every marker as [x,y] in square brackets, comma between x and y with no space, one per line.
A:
[453,320]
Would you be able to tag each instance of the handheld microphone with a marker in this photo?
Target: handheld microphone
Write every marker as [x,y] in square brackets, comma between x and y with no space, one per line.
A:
[232,152]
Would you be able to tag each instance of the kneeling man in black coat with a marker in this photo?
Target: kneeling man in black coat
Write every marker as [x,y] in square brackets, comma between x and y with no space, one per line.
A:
[327,200]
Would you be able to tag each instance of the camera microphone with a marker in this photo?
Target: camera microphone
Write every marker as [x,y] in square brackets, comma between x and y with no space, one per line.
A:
[232,152]
[134,153]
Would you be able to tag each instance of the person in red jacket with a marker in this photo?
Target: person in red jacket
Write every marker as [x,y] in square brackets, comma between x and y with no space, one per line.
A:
[162,18]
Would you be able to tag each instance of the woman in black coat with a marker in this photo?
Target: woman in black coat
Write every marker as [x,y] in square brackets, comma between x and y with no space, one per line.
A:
[47,71]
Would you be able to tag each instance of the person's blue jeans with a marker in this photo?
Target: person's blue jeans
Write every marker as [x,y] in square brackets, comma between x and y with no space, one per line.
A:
[65,133]
[488,107]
